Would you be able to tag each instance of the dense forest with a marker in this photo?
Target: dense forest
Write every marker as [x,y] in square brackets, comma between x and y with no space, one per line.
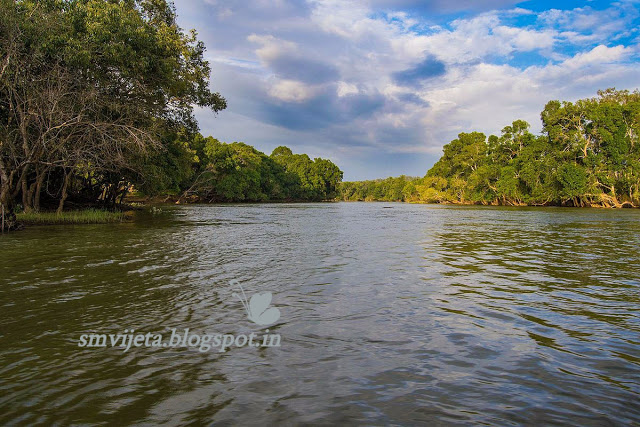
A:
[392,189]
[97,98]
[587,155]
[238,172]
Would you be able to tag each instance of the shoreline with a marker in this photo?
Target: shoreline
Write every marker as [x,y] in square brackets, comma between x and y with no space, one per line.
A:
[625,205]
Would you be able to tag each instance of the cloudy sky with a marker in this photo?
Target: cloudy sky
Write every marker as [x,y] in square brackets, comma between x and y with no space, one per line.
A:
[379,86]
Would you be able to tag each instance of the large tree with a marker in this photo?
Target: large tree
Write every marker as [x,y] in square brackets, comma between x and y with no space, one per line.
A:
[90,90]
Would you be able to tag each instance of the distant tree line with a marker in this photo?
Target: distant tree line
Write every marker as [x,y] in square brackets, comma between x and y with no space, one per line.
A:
[398,189]
[587,155]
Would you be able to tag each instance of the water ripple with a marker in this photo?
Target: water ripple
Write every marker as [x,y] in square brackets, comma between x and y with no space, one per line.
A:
[411,315]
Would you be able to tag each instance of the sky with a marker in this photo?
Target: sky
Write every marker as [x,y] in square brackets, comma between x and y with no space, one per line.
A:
[379,86]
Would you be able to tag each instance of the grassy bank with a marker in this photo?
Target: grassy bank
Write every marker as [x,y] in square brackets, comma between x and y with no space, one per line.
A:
[88,216]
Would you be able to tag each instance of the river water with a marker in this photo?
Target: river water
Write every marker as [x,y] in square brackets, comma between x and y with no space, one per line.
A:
[390,314]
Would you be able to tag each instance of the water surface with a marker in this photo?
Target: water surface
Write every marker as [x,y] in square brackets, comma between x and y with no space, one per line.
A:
[391,314]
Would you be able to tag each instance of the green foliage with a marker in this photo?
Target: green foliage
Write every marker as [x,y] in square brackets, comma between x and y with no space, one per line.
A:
[389,189]
[306,179]
[237,172]
[171,169]
[573,181]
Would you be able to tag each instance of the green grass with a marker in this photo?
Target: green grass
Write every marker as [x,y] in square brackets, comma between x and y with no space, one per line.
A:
[88,216]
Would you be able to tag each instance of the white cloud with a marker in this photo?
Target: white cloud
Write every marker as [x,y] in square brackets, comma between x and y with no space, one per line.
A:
[525,40]
[272,47]
[291,91]
[346,89]
[484,36]
[588,24]
[598,55]
[346,19]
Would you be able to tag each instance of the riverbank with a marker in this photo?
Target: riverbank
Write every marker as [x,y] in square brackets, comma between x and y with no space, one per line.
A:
[623,205]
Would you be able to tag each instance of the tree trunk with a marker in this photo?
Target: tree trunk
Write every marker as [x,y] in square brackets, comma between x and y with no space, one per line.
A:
[4,192]
[7,215]
[123,194]
[63,197]
[30,193]
[38,190]
[24,188]
[8,220]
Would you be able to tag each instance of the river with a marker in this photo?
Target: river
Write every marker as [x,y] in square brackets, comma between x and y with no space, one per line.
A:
[389,314]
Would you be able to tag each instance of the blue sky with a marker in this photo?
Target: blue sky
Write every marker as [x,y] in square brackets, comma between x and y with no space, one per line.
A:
[379,86]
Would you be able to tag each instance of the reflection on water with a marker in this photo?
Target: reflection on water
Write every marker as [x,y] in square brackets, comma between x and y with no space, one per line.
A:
[389,316]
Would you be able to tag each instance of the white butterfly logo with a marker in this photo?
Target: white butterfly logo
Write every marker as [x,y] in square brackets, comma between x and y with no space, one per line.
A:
[258,309]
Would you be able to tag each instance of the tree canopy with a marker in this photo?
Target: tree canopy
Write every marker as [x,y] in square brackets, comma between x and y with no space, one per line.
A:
[237,172]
